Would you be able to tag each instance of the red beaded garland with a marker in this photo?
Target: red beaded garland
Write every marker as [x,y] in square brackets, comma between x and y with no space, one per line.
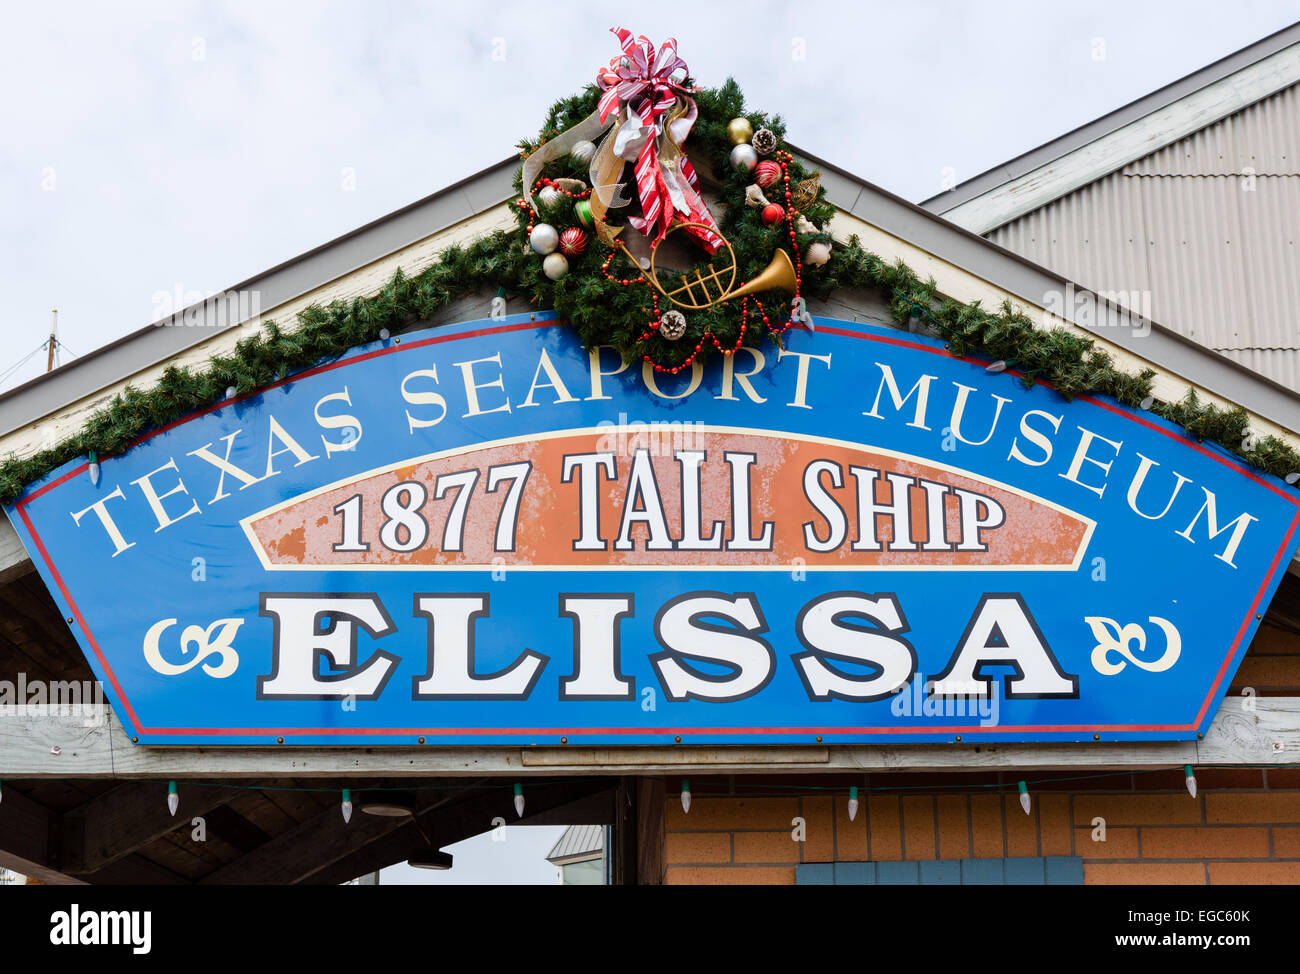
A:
[777,214]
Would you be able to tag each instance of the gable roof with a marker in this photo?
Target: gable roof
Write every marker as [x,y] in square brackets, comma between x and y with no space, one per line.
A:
[1125,135]
[1184,205]
[959,260]
[578,843]
[192,326]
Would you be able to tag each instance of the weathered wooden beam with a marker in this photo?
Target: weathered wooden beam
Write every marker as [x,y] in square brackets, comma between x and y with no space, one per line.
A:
[1267,734]
[28,841]
[294,855]
[14,562]
[595,808]
[230,827]
[118,822]
[621,856]
[460,820]
[134,870]
[650,839]
[24,829]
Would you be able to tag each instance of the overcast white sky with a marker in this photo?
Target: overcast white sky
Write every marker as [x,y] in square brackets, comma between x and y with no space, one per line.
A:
[151,147]
[516,858]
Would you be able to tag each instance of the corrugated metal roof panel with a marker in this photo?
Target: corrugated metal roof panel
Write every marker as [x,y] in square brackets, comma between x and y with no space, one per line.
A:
[578,840]
[1195,259]
[1095,236]
[1213,258]
[1280,364]
[1264,136]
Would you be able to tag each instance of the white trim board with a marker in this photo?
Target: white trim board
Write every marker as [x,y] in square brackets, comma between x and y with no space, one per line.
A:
[1038,187]
[49,746]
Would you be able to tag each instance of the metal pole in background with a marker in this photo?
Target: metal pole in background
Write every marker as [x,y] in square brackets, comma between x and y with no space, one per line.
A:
[54,340]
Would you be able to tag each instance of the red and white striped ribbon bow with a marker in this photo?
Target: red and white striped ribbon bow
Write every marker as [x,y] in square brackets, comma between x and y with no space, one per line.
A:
[642,80]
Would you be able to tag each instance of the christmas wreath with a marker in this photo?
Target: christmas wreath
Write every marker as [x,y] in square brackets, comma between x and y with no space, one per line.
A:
[611,178]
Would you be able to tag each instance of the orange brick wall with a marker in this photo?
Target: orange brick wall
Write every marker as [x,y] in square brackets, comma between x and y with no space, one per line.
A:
[1244,827]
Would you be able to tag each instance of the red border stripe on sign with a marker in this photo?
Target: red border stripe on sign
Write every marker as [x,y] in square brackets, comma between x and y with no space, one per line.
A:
[1283,550]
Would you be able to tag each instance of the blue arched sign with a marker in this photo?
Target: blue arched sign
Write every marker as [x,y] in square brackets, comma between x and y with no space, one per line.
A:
[486,534]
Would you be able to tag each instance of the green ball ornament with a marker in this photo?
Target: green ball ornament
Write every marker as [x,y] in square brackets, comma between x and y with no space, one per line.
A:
[583,210]
[739,131]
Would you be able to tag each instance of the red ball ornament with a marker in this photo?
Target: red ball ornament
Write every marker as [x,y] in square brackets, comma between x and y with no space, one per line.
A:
[766,173]
[573,242]
[773,213]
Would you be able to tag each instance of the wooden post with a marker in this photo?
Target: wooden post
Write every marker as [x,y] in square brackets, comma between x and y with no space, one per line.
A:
[54,329]
[651,795]
[621,852]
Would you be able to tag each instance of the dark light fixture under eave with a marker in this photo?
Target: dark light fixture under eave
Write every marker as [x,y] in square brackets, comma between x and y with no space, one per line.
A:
[430,859]
[389,804]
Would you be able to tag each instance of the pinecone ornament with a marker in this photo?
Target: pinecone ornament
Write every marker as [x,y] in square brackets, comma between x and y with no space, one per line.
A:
[763,142]
[672,325]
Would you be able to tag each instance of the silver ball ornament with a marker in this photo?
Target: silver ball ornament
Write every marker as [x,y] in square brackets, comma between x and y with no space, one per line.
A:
[583,151]
[744,157]
[544,238]
[555,266]
[550,197]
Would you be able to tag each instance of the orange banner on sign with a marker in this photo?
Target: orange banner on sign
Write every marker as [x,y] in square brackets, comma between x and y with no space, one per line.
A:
[683,496]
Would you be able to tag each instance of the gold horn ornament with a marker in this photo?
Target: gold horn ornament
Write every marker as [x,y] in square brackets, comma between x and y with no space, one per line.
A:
[779,273]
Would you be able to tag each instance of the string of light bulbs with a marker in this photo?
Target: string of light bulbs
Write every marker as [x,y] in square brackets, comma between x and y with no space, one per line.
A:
[1022,787]
[854,791]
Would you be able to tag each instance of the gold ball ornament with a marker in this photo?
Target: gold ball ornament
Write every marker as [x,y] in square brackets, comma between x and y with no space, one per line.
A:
[739,131]
[672,325]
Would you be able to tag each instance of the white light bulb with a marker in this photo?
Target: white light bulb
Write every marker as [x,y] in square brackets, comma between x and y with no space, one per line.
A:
[1024,797]
[1191,780]
[686,795]
[853,804]
[173,799]
[347,806]
[519,800]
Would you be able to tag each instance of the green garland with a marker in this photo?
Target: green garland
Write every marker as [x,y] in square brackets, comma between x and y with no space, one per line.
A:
[1069,361]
